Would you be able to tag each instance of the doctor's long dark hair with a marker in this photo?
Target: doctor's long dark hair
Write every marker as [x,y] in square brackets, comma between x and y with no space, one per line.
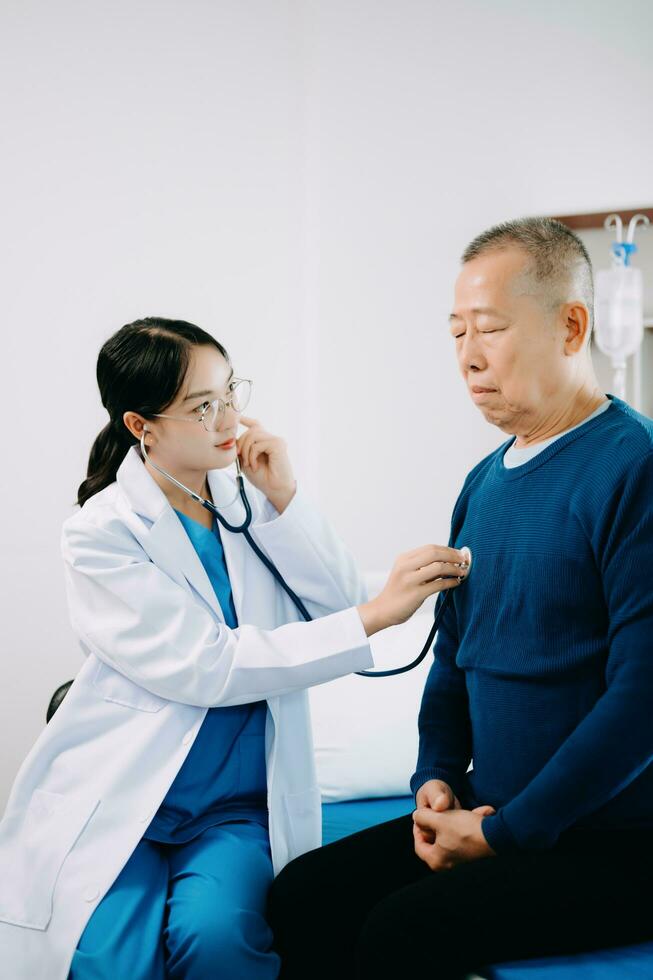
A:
[139,369]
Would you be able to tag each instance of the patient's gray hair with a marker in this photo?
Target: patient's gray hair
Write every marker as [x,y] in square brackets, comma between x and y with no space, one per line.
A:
[560,266]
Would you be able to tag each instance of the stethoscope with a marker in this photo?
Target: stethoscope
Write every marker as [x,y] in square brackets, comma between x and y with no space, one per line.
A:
[440,606]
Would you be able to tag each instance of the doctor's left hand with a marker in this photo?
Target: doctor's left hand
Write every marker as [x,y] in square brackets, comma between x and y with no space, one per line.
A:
[265,462]
[449,837]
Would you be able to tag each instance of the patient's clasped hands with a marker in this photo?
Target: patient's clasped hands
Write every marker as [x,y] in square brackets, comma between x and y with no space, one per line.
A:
[444,833]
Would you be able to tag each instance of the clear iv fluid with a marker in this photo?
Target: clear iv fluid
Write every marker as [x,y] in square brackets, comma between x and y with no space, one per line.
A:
[619,311]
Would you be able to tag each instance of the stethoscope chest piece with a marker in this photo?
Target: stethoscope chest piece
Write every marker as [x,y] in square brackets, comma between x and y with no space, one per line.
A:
[467,551]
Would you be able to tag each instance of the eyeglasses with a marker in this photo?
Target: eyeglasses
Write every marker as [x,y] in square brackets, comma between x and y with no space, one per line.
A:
[240,390]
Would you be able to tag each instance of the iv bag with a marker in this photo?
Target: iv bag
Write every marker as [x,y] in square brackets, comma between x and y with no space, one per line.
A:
[619,311]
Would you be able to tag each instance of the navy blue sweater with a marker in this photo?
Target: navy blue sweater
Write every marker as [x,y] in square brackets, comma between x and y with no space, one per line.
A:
[543,666]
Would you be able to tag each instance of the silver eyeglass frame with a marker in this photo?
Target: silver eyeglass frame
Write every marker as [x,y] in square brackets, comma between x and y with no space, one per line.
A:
[222,406]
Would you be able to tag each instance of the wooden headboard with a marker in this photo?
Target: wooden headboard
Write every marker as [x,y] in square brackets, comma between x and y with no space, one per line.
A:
[596,218]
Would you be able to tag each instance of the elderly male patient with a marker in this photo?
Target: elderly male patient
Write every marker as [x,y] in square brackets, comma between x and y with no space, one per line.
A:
[542,671]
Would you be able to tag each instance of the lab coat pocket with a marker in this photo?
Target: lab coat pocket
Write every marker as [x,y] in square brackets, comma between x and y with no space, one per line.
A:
[50,827]
[304,812]
[114,686]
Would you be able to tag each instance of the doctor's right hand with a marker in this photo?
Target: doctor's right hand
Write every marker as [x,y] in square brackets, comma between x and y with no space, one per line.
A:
[414,577]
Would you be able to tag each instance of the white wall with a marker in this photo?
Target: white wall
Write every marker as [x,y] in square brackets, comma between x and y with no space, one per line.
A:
[299,178]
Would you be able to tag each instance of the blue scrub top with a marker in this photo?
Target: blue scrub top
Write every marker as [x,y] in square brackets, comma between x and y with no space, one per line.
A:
[223,777]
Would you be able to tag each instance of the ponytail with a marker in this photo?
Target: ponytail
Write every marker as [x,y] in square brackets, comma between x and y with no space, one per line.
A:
[107,453]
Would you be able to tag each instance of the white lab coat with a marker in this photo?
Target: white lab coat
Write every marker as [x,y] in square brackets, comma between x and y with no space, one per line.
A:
[158,654]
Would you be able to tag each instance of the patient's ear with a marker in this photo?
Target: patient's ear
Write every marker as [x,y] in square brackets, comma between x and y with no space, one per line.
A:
[577,325]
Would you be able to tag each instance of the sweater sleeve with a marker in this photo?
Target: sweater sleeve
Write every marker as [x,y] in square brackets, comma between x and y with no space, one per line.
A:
[613,743]
[444,725]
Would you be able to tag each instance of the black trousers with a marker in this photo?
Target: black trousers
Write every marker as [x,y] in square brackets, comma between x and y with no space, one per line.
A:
[367,907]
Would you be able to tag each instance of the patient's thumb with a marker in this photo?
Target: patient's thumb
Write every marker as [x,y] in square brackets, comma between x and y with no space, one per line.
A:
[442,801]
[485,811]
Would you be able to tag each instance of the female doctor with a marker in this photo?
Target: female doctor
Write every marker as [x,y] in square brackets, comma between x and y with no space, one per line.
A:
[177,777]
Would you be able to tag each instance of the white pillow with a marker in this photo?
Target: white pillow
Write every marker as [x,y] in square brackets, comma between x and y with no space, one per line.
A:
[365,730]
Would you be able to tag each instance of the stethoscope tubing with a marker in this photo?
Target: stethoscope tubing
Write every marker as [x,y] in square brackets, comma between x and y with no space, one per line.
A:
[243,529]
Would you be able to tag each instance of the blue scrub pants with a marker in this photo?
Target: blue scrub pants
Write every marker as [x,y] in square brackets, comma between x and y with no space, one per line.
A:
[193,911]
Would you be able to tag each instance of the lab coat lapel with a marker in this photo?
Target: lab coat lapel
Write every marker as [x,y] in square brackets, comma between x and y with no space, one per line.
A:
[166,541]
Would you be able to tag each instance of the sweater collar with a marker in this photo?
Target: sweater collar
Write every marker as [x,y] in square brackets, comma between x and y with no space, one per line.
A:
[516,472]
